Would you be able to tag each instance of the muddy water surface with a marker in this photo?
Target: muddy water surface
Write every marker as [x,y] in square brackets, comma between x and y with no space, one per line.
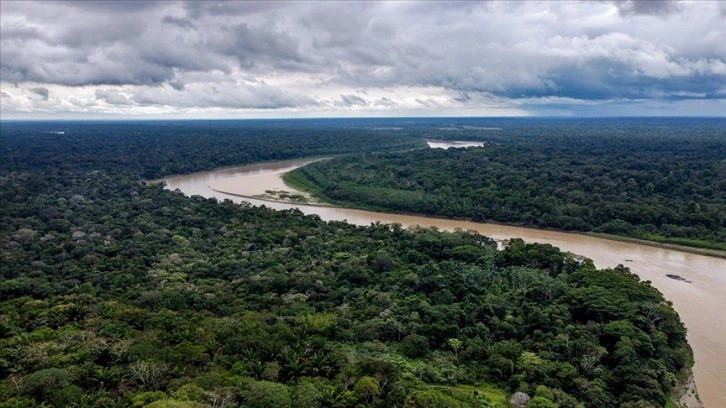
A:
[445,144]
[701,303]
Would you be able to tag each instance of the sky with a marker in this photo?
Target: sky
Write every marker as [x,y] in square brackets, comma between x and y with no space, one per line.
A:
[175,59]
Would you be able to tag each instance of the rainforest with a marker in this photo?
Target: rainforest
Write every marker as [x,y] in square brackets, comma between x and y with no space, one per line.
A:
[664,183]
[115,292]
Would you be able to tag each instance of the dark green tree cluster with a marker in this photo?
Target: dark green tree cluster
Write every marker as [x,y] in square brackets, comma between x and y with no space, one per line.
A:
[668,189]
[114,293]
[154,149]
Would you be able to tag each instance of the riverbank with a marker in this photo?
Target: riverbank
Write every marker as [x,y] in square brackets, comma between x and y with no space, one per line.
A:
[312,197]
[694,302]
[693,250]
[301,184]
[271,199]
[685,393]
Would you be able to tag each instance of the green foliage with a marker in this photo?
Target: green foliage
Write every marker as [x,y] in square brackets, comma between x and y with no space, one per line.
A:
[189,392]
[16,402]
[319,323]
[414,346]
[67,396]
[116,293]
[46,383]
[544,392]
[366,388]
[541,402]
[145,398]
[311,393]
[263,394]
[574,177]
[430,399]
[175,404]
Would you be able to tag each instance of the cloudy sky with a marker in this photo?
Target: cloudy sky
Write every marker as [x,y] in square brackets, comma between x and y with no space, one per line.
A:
[134,59]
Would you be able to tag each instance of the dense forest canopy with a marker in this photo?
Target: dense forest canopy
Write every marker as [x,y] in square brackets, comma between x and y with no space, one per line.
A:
[160,148]
[658,181]
[114,293]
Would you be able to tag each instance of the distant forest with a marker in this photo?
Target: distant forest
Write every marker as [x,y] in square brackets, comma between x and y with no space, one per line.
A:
[663,182]
[118,293]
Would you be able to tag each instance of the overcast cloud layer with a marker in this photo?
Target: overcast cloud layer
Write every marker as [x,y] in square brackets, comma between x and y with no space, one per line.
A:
[81,59]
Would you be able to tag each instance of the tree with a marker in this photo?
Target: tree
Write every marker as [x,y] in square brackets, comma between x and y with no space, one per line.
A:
[456,345]
[44,383]
[366,388]
[519,399]
[540,402]
[148,373]
[264,394]
[414,345]
[167,403]
[430,399]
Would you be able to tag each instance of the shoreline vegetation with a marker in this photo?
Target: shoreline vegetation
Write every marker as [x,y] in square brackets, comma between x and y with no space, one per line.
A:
[536,185]
[114,293]
[296,181]
[684,394]
[683,248]
[302,186]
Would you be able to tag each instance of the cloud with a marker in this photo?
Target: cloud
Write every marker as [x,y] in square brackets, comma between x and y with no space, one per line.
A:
[652,7]
[386,102]
[304,56]
[116,6]
[352,100]
[250,96]
[254,46]
[43,92]
[113,97]
[198,9]
[182,22]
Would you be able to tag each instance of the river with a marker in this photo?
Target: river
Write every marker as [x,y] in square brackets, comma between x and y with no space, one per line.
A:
[446,144]
[700,303]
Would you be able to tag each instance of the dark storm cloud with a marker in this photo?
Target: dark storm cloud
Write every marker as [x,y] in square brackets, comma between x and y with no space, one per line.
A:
[462,97]
[113,6]
[352,100]
[21,33]
[246,54]
[104,43]
[606,80]
[252,45]
[197,9]
[43,92]
[177,85]
[21,67]
[385,102]
[182,22]
[652,7]
[86,50]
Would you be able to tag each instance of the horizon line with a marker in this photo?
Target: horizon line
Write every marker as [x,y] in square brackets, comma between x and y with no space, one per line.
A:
[563,117]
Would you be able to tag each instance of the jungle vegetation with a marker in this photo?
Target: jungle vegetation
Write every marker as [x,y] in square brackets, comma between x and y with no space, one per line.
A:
[665,182]
[119,293]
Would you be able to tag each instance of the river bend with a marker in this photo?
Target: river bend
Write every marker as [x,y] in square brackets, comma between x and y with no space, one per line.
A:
[700,303]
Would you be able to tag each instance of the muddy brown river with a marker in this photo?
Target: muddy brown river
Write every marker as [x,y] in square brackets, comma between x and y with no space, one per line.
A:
[700,303]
